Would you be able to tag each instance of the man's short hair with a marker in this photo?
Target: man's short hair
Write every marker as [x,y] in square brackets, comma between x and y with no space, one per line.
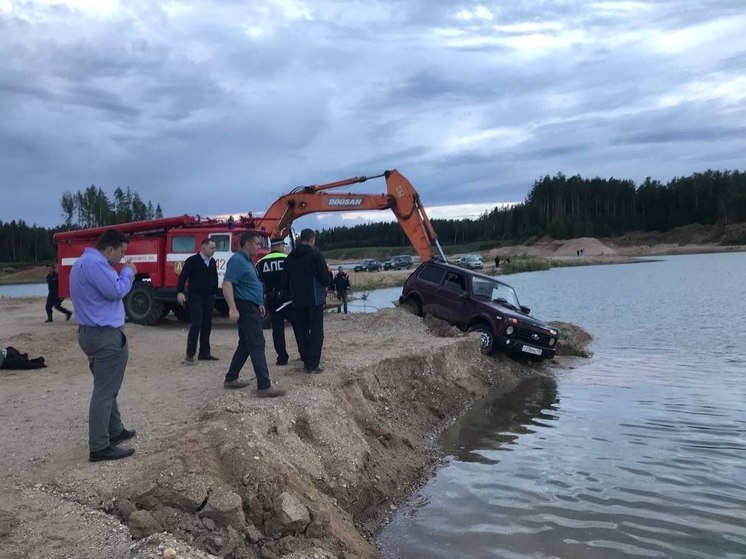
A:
[307,235]
[206,241]
[111,238]
[246,238]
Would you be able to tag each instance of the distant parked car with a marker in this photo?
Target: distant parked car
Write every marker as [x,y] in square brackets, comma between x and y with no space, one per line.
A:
[398,262]
[474,302]
[470,262]
[368,265]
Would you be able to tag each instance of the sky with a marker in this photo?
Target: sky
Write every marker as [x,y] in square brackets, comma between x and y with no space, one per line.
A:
[220,107]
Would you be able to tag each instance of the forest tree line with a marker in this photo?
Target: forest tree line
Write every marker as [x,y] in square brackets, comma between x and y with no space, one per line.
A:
[570,207]
[559,206]
[92,207]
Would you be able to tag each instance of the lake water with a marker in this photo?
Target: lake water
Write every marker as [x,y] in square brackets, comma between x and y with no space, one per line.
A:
[24,290]
[638,452]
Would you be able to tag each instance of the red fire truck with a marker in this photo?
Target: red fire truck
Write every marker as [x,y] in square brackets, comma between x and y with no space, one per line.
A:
[159,248]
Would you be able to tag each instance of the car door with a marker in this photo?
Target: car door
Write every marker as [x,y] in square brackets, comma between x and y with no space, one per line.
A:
[453,296]
[428,283]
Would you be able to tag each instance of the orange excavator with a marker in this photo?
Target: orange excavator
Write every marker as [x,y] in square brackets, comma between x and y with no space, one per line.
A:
[401,198]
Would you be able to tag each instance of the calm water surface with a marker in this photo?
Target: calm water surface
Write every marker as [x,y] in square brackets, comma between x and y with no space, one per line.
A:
[639,452]
[24,290]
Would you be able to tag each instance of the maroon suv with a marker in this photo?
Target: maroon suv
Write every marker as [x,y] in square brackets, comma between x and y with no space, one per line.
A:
[475,302]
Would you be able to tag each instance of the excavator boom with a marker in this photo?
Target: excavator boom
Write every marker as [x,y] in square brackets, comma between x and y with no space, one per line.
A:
[401,198]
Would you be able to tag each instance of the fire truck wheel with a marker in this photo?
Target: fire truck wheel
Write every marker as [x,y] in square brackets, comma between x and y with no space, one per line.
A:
[141,305]
[181,313]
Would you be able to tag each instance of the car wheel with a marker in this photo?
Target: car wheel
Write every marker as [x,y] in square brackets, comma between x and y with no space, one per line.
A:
[412,306]
[487,338]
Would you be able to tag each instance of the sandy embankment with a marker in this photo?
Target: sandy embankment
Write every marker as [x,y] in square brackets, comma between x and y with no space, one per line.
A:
[222,471]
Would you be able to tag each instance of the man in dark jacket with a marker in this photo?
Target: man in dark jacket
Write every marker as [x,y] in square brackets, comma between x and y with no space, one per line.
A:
[271,269]
[53,298]
[201,272]
[308,277]
[341,283]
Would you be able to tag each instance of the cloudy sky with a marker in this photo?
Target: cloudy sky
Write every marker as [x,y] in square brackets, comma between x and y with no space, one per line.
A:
[219,107]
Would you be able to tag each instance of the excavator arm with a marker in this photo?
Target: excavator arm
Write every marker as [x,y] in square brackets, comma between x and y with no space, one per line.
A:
[401,198]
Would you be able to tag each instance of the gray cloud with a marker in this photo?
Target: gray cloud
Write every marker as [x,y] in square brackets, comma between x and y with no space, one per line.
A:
[220,107]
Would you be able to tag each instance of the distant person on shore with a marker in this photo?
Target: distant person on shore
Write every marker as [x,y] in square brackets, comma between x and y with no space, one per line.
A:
[308,278]
[53,298]
[497,261]
[244,294]
[272,273]
[341,284]
[201,273]
[97,292]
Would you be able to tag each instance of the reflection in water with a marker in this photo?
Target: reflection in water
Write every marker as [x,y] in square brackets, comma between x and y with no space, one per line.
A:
[494,423]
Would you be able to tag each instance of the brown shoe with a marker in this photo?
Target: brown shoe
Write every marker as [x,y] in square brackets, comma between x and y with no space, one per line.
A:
[270,392]
[235,383]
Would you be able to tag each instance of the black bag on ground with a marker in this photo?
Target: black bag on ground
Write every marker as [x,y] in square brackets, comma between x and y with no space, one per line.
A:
[14,359]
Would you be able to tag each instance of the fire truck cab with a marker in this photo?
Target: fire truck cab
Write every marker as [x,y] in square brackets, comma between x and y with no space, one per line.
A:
[159,248]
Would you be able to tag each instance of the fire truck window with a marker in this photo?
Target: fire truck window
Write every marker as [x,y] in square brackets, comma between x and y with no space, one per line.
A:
[222,242]
[183,244]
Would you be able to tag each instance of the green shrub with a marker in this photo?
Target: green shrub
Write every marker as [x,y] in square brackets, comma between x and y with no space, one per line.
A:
[524,264]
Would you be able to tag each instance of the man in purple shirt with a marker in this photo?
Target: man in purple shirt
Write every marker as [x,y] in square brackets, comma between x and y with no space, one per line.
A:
[97,292]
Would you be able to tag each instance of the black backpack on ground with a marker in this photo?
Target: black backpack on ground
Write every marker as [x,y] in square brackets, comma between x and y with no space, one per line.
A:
[14,359]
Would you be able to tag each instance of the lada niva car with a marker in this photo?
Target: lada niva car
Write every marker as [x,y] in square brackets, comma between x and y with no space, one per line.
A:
[474,302]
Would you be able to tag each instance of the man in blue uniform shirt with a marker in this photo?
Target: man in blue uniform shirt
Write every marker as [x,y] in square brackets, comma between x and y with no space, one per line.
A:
[244,294]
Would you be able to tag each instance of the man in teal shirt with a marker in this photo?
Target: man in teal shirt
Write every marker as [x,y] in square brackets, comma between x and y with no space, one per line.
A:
[244,294]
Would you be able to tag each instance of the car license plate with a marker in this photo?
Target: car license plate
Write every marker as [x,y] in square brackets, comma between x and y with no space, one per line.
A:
[531,350]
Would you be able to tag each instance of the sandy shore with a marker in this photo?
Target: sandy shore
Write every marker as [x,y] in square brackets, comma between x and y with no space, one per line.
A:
[313,474]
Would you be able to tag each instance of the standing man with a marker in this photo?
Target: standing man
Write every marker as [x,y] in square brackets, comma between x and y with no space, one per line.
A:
[341,283]
[271,270]
[53,298]
[308,277]
[97,292]
[201,272]
[243,292]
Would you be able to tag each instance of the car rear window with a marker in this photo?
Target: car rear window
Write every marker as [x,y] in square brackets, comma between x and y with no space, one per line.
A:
[432,274]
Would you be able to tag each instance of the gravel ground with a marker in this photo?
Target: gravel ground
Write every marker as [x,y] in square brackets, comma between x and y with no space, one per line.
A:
[312,474]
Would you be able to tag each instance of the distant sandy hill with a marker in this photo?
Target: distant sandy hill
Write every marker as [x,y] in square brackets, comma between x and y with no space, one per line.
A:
[589,245]
[557,249]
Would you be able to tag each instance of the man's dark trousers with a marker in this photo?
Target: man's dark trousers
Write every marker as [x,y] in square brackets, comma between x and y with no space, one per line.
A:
[342,296]
[250,344]
[311,329]
[200,314]
[277,320]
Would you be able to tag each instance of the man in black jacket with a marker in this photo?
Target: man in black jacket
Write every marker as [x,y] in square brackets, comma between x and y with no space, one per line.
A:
[308,277]
[341,284]
[201,272]
[53,298]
